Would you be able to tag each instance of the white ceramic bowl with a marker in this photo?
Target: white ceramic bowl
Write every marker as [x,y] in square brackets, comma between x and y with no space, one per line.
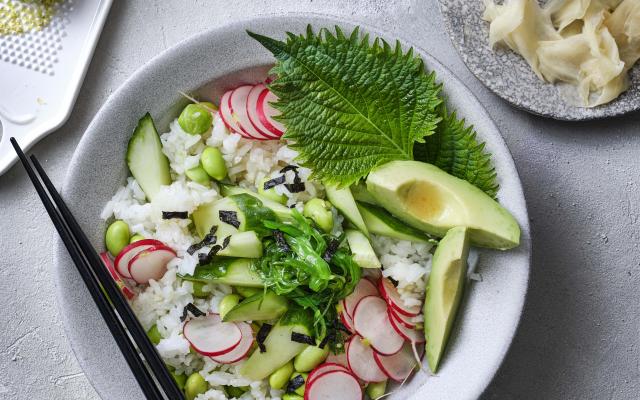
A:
[209,64]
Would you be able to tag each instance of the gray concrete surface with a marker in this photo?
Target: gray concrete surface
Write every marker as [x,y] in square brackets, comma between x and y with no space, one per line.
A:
[580,333]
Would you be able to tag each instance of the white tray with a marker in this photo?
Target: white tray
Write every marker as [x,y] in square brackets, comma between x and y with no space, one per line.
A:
[41,73]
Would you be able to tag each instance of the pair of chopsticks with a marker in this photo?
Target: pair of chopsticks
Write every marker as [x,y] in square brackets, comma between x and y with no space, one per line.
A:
[120,319]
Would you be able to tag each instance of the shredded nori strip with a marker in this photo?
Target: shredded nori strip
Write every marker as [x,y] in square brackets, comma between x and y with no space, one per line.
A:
[175,214]
[289,167]
[278,180]
[302,338]
[295,383]
[229,217]
[226,242]
[190,308]
[208,240]
[330,336]
[281,242]
[206,258]
[331,250]
[262,335]
[295,187]
[343,328]
[395,282]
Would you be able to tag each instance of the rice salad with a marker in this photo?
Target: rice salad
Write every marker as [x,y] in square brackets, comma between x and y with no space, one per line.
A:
[160,303]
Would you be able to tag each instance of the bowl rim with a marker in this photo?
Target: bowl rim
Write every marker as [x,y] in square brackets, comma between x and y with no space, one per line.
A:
[169,55]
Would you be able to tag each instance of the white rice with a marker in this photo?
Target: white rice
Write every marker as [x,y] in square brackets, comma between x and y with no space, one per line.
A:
[249,162]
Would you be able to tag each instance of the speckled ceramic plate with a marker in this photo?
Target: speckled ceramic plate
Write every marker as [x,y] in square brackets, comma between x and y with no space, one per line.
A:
[209,64]
[510,77]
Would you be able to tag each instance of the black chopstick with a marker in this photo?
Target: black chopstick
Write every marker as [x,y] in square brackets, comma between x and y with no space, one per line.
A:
[87,260]
[121,305]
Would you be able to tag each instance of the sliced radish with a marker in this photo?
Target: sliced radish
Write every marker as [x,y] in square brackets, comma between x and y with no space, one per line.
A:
[238,108]
[210,336]
[334,385]
[371,321]
[347,321]
[252,111]
[122,260]
[241,350]
[410,334]
[403,319]
[363,288]
[391,295]
[340,359]
[362,363]
[126,290]
[227,116]
[150,263]
[398,366]
[324,368]
[266,112]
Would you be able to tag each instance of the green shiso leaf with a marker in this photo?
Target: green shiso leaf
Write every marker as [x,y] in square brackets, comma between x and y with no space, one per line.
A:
[455,149]
[350,104]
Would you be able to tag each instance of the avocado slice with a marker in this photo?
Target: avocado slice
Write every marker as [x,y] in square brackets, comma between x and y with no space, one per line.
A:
[380,222]
[259,307]
[360,193]
[427,198]
[444,291]
[343,200]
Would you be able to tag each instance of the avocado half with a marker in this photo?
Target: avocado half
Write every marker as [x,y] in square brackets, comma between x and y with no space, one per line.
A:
[427,198]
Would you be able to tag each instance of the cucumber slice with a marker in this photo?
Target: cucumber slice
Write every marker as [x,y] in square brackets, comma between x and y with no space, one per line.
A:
[380,222]
[243,244]
[342,199]
[281,211]
[147,163]
[230,271]
[280,349]
[259,307]
[363,253]
[208,215]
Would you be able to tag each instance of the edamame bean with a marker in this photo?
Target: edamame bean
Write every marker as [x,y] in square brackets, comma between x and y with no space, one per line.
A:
[316,209]
[199,290]
[195,119]
[136,238]
[310,358]
[247,291]
[280,377]
[180,379]
[154,334]
[300,390]
[213,163]
[227,303]
[194,386]
[199,175]
[376,390]
[117,237]
[291,396]
[234,391]
[271,193]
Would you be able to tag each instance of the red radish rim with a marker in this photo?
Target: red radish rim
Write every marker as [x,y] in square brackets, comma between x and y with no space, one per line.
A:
[235,118]
[402,319]
[362,293]
[149,250]
[214,353]
[127,249]
[309,386]
[262,129]
[347,321]
[386,315]
[224,120]
[263,117]
[353,371]
[128,293]
[378,358]
[396,302]
[318,370]
[247,333]
[405,332]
